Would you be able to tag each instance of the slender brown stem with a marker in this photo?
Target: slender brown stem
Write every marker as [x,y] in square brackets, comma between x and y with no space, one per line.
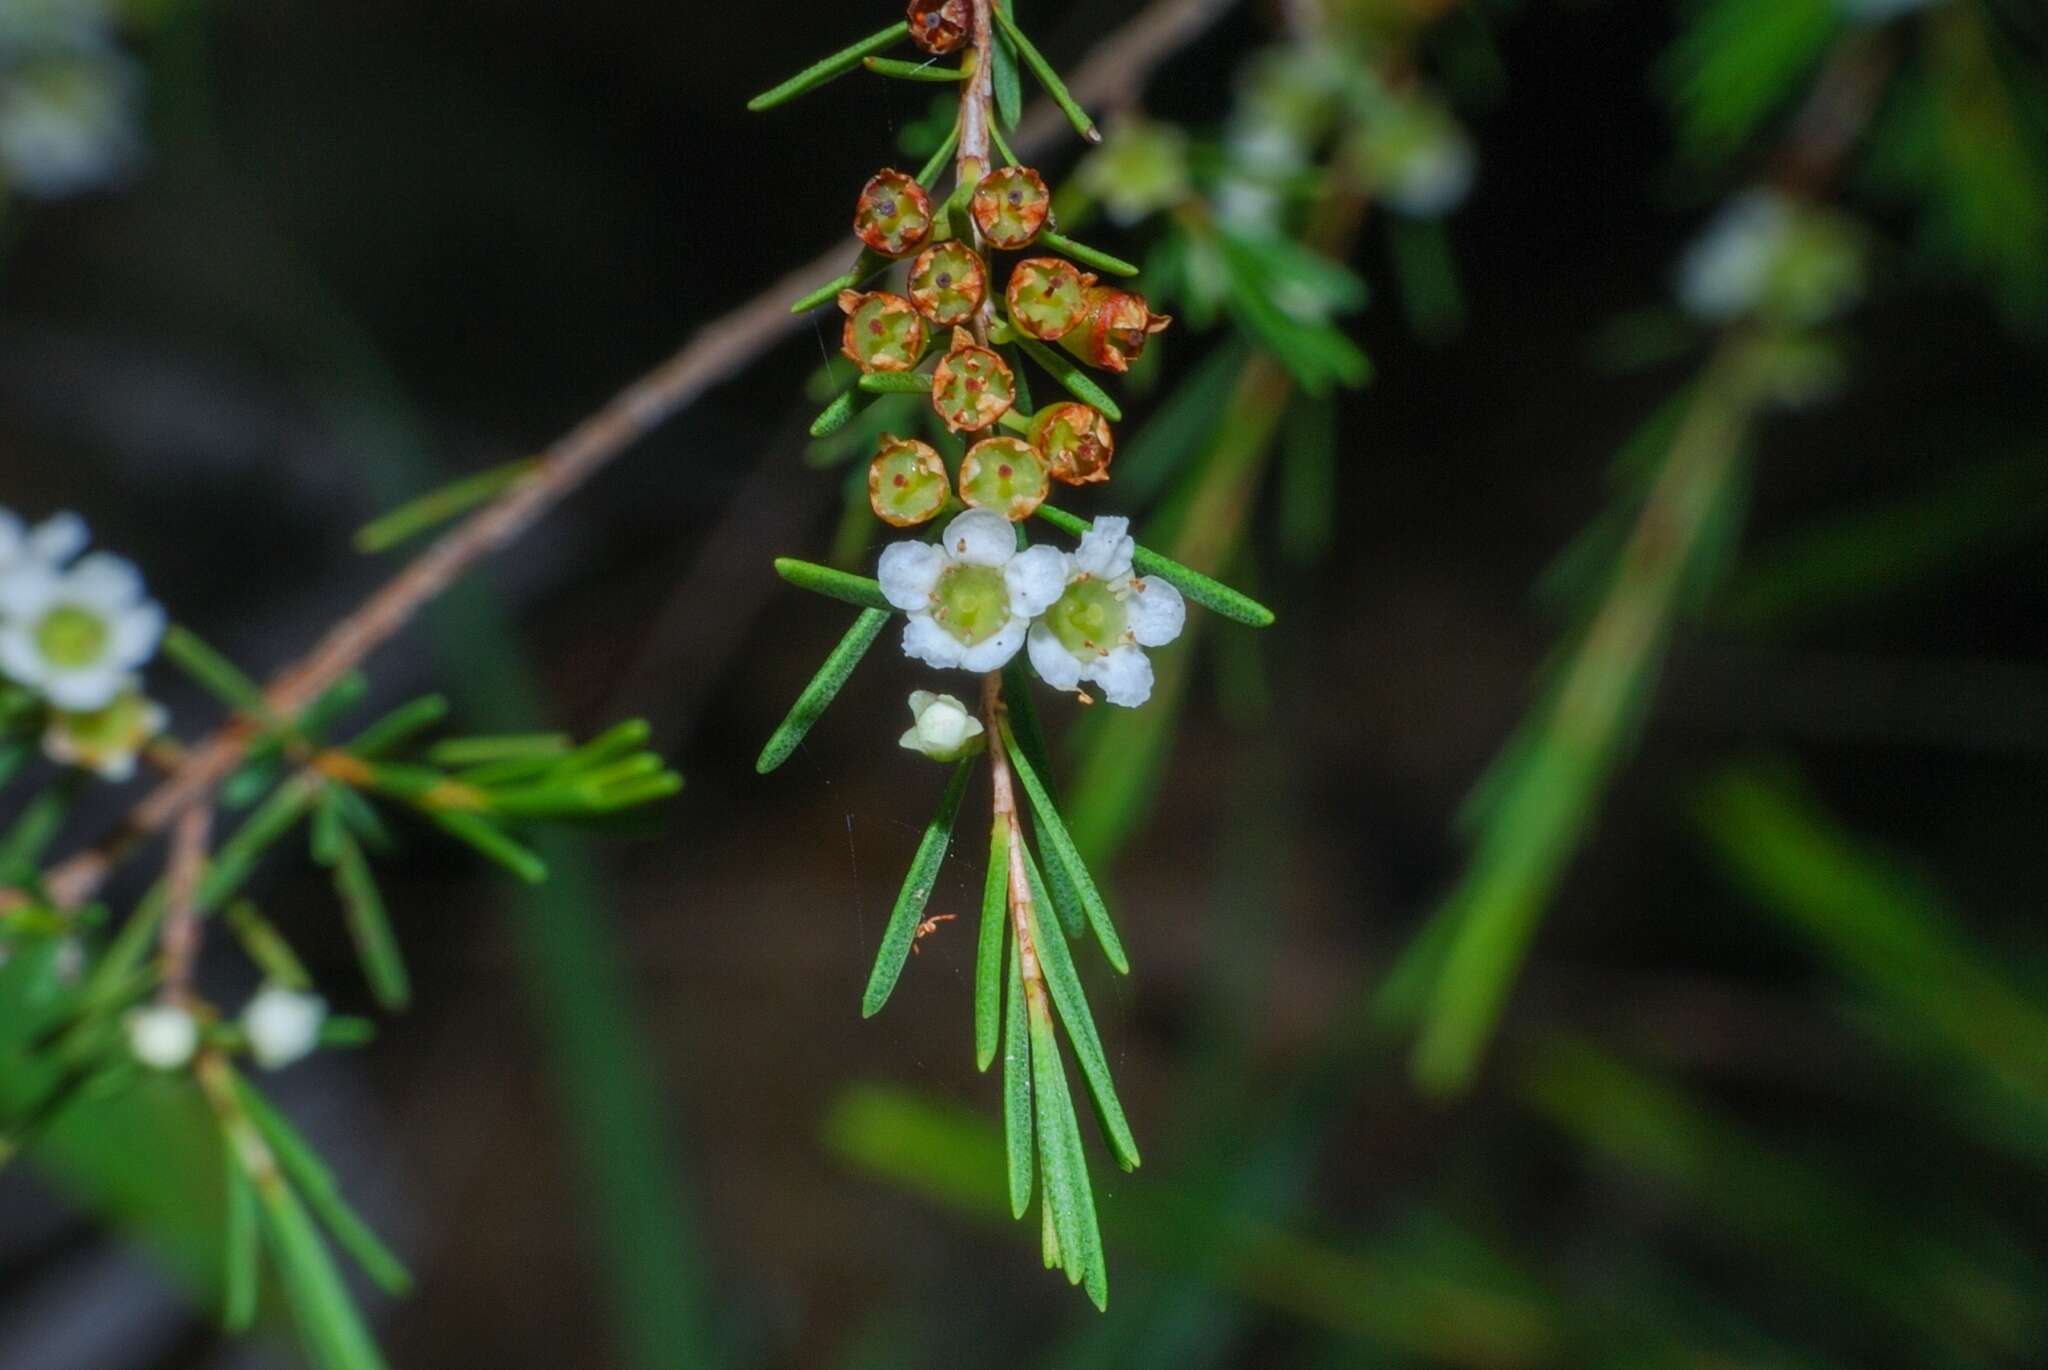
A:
[1022,908]
[1111,75]
[182,933]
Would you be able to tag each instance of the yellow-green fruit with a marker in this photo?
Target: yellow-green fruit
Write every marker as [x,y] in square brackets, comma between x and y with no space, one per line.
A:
[1075,440]
[948,283]
[1047,296]
[971,386]
[906,482]
[893,215]
[1010,206]
[1005,475]
[882,333]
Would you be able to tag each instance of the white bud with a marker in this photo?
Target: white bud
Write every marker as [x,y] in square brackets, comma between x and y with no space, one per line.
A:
[162,1036]
[944,730]
[283,1025]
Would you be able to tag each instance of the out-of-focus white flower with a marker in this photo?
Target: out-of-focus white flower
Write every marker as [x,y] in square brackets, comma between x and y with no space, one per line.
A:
[76,635]
[1417,157]
[1879,11]
[1140,169]
[162,1036]
[970,595]
[942,728]
[283,1025]
[106,740]
[50,543]
[1096,629]
[68,121]
[1768,255]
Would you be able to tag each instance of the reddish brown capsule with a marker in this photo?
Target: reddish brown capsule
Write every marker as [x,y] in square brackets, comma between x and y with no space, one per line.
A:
[906,482]
[1005,475]
[939,26]
[1075,440]
[1112,333]
[1047,296]
[894,215]
[882,333]
[1010,206]
[971,386]
[948,282]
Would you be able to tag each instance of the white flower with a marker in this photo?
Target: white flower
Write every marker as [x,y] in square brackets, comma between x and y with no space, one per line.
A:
[283,1025]
[943,728]
[1096,628]
[162,1036]
[49,544]
[970,595]
[105,740]
[76,635]
[68,123]
[1723,274]
[1420,161]
[1878,11]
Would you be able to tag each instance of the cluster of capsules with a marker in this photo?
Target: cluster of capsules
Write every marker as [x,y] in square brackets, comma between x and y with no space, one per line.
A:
[1048,300]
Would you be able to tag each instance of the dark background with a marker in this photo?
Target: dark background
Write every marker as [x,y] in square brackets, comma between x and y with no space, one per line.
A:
[383,240]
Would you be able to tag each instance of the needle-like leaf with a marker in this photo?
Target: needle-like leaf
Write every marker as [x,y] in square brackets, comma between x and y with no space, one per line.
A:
[829,68]
[988,957]
[1086,255]
[1052,832]
[1048,78]
[1017,1131]
[864,591]
[1066,901]
[1064,982]
[240,1248]
[1073,376]
[912,71]
[824,686]
[1064,1164]
[1203,590]
[901,931]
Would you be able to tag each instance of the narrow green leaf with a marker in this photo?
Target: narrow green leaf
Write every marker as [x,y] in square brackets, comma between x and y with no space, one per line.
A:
[1209,593]
[843,409]
[1017,1131]
[895,382]
[1073,376]
[901,931]
[457,752]
[942,154]
[1048,78]
[439,506]
[491,842]
[240,1241]
[1017,699]
[265,945]
[811,704]
[912,71]
[304,1168]
[863,590]
[213,672]
[1052,831]
[1009,89]
[369,926]
[828,68]
[1057,963]
[1086,255]
[988,956]
[1064,1165]
[1003,148]
[321,1305]
[869,263]
[399,726]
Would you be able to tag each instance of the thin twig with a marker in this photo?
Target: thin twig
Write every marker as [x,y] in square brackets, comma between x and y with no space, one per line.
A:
[717,352]
[179,942]
[1005,809]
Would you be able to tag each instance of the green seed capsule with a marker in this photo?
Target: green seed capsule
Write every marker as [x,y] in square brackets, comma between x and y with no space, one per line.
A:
[1075,440]
[948,283]
[1006,475]
[1047,296]
[971,386]
[1010,206]
[894,214]
[939,26]
[1113,332]
[882,333]
[906,482]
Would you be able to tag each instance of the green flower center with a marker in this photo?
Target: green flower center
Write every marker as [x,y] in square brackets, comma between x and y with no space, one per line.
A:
[973,604]
[1088,619]
[70,637]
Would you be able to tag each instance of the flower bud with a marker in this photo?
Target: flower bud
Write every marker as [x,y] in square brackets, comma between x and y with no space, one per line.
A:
[1075,440]
[893,215]
[1010,206]
[939,26]
[906,482]
[1047,296]
[971,386]
[162,1036]
[1112,333]
[944,730]
[1004,474]
[948,282]
[283,1025]
[882,333]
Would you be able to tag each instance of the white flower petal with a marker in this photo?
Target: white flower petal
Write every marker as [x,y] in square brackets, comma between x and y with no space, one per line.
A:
[161,1036]
[83,691]
[920,700]
[57,539]
[12,533]
[1035,578]
[1105,550]
[1125,676]
[909,572]
[19,659]
[103,581]
[980,537]
[924,640]
[28,588]
[283,1025]
[136,633]
[1155,613]
[996,651]
[1055,665]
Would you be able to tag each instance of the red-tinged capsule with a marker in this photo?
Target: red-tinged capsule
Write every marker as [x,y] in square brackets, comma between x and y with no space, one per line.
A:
[882,333]
[1075,440]
[906,482]
[1010,206]
[1047,296]
[971,386]
[894,215]
[939,26]
[948,282]
[1004,474]
[1113,331]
